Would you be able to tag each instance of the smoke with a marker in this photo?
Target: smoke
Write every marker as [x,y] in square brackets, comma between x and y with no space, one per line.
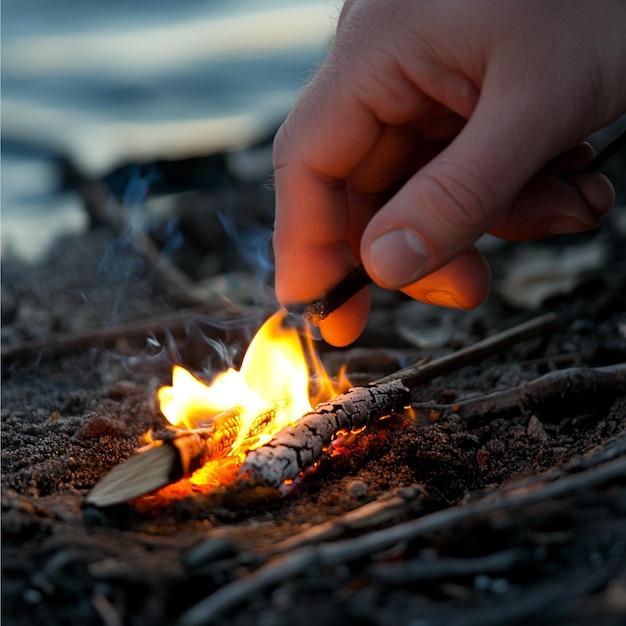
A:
[253,244]
[200,214]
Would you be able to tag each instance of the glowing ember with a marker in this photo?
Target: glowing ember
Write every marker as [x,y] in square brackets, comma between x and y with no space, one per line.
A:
[269,392]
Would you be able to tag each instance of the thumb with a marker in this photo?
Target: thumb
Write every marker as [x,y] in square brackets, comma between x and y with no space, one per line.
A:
[449,203]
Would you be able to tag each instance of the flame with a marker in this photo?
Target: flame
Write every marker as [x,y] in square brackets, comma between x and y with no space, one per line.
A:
[269,392]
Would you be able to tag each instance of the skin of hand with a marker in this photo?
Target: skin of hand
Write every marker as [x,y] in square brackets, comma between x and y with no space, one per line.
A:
[431,123]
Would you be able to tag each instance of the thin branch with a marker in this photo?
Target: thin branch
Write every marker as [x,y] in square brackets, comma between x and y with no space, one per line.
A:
[372,514]
[173,323]
[419,570]
[573,382]
[421,373]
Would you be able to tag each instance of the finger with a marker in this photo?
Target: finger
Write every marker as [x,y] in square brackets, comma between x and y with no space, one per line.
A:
[345,324]
[311,224]
[461,284]
[562,198]
[326,137]
[459,195]
[550,205]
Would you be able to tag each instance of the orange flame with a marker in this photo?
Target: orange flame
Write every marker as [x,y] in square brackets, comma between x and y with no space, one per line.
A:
[274,378]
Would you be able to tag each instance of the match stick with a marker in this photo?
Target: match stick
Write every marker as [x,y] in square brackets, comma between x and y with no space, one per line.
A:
[178,455]
[318,310]
[163,463]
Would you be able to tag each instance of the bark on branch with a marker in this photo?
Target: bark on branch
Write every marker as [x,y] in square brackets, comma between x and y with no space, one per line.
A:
[573,383]
[296,449]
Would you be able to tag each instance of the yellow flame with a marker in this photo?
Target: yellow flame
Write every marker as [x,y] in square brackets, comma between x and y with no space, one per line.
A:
[274,376]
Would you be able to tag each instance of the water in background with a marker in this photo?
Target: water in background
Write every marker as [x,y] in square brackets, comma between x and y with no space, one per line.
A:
[105,82]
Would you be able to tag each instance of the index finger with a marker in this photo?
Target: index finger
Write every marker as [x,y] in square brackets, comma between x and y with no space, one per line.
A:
[323,140]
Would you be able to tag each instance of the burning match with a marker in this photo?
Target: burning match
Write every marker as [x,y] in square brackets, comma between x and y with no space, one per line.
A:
[318,310]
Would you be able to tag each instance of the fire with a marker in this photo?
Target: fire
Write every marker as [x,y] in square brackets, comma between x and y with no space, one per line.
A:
[269,392]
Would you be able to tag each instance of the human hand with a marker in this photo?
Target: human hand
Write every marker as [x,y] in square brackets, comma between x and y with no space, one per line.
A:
[432,123]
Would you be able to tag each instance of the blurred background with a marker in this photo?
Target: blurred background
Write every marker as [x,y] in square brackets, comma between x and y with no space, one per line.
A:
[101,84]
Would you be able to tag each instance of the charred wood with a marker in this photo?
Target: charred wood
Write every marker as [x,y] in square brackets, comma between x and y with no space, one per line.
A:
[296,449]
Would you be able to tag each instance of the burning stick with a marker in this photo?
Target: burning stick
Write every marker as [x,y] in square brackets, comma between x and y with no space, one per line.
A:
[177,455]
[297,448]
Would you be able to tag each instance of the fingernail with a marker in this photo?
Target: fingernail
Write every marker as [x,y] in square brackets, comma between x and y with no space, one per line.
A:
[443,298]
[567,224]
[397,258]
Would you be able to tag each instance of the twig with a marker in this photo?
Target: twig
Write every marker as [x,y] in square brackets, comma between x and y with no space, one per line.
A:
[369,515]
[417,570]
[295,449]
[612,148]
[537,603]
[318,310]
[174,324]
[575,382]
[423,372]
[347,550]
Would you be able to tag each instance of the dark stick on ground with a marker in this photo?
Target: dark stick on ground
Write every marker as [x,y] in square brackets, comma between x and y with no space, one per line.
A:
[574,384]
[348,550]
[174,324]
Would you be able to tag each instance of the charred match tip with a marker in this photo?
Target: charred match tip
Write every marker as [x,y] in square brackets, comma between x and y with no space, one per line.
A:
[320,309]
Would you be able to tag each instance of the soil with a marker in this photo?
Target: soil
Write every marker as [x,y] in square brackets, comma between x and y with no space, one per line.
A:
[68,417]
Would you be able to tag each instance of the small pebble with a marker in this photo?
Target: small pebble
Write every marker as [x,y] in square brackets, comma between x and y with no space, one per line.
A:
[357,489]
[100,426]
[535,429]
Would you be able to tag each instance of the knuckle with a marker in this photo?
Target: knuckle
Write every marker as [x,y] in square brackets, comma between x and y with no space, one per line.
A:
[462,196]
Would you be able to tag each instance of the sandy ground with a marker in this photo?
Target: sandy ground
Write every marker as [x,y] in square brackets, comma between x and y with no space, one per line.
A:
[68,418]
